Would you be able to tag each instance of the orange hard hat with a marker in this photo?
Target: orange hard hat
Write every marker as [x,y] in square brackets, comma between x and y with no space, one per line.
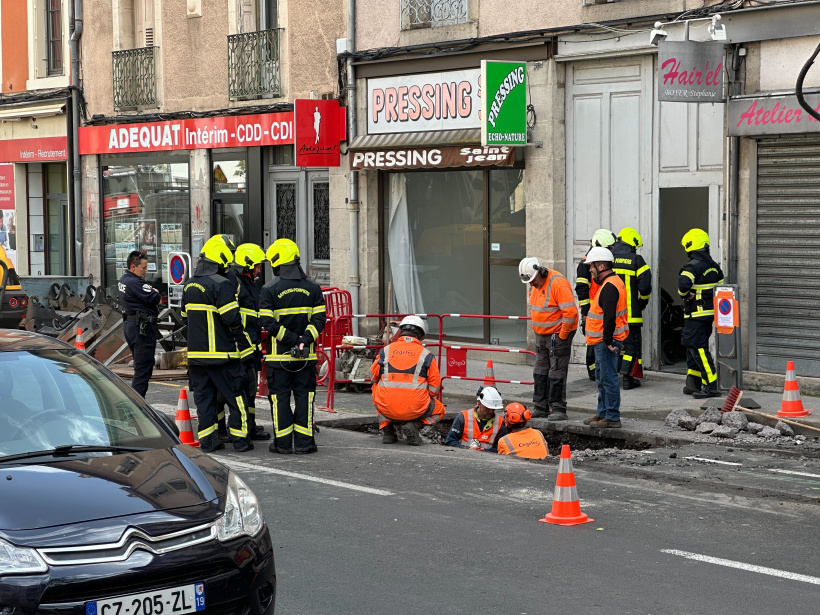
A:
[516,413]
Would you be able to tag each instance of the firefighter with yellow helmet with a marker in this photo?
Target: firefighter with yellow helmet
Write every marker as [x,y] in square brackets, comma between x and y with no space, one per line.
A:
[633,270]
[216,340]
[243,273]
[292,311]
[696,286]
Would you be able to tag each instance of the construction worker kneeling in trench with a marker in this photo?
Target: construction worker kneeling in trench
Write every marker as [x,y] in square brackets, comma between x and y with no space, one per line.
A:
[406,380]
[521,441]
[478,428]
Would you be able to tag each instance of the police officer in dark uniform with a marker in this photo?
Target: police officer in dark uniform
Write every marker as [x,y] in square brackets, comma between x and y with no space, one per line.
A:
[696,286]
[633,270]
[215,342]
[138,302]
[586,287]
[248,259]
[292,311]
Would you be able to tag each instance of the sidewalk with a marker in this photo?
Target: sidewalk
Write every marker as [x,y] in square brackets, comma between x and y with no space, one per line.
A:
[660,394]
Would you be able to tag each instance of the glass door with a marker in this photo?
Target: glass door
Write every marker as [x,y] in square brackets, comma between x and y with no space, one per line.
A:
[507,238]
[289,215]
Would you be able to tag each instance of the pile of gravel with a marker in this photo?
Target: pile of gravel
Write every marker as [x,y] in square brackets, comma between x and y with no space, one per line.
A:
[728,425]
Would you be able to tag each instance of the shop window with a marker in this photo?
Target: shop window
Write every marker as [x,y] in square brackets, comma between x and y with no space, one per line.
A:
[57,218]
[230,196]
[453,243]
[145,207]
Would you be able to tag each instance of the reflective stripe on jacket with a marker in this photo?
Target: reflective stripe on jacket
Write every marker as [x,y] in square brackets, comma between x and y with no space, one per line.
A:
[405,379]
[634,271]
[528,443]
[699,276]
[595,318]
[291,311]
[215,333]
[552,307]
[472,429]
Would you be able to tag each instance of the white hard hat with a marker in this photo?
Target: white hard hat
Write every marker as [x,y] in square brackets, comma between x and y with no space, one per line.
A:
[599,255]
[528,269]
[490,397]
[413,321]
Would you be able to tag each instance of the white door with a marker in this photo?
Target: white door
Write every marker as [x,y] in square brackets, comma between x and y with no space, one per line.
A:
[609,105]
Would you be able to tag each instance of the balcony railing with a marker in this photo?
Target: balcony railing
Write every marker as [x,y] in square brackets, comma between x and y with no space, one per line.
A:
[433,13]
[135,78]
[254,65]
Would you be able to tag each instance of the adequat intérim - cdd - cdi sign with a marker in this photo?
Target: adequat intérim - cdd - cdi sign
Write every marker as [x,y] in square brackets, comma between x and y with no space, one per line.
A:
[504,103]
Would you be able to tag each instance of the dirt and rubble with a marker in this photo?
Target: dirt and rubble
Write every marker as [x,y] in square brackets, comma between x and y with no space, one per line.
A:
[715,426]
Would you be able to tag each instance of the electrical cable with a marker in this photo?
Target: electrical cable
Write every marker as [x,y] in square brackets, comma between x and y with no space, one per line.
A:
[798,88]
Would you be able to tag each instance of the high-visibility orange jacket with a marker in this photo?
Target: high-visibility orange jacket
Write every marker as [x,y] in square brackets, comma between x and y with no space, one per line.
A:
[596,325]
[472,429]
[405,379]
[528,443]
[552,307]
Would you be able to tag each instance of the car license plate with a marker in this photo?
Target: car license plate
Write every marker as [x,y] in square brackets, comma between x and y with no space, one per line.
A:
[174,601]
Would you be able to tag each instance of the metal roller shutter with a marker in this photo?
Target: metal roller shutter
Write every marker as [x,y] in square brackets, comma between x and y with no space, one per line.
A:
[788,254]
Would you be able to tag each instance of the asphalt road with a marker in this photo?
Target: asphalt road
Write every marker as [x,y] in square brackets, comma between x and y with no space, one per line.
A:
[366,528]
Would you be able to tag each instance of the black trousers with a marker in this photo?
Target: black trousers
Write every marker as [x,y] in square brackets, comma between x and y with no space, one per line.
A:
[252,378]
[552,355]
[292,429]
[227,379]
[699,362]
[631,354]
[142,349]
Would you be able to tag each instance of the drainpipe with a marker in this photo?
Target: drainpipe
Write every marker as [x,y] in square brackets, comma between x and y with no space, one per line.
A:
[353,193]
[734,180]
[74,46]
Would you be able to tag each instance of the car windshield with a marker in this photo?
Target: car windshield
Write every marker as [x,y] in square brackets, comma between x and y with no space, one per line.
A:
[53,398]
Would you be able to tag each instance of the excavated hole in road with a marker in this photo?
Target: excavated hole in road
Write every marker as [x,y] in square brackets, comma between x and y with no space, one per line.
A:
[555,439]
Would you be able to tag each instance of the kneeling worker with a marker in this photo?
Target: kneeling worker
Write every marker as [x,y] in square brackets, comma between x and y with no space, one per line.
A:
[521,441]
[405,382]
[478,428]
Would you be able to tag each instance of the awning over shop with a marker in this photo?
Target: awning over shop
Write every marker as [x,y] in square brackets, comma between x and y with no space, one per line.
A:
[427,150]
[398,140]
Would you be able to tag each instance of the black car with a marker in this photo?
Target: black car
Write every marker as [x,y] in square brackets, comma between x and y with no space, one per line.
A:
[103,511]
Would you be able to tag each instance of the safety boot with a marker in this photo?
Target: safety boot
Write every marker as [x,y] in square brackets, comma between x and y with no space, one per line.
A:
[540,413]
[557,415]
[389,434]
[692,385]
[411,432]
[631,383]
[256,432]
[709,390]
[210,443]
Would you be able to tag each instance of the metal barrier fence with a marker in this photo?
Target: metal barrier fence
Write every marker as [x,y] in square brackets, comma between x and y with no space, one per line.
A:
[340,323]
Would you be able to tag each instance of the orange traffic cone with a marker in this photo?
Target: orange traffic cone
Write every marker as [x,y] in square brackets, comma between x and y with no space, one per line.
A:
[262,388]
[489,375]
[183,420]
[792,405]
[79,341]
[566,508]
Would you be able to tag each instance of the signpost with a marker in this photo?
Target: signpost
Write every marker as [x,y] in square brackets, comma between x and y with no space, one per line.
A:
[503,103]
[690,72]
[179,264]
[319,129]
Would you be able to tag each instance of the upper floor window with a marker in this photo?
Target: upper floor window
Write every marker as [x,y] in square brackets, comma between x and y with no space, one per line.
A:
[54,37]
[432,13]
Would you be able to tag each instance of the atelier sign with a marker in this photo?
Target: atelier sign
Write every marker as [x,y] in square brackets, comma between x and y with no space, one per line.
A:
[690,72]
[433,158]
[771,115]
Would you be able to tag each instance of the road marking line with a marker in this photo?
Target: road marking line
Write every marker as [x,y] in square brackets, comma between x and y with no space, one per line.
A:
[325,481]
[783,574]
[706,460]
[169,384]
[796,473]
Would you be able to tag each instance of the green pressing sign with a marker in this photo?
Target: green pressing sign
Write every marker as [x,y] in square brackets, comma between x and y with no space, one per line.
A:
[504,103]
